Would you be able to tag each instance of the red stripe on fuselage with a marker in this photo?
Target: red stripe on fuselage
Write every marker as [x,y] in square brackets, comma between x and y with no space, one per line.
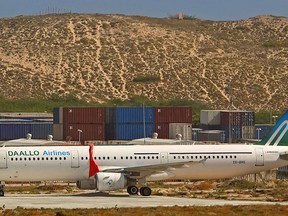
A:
[93,169]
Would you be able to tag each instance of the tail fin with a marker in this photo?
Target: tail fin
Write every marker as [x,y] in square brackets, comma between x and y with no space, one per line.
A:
[278,135]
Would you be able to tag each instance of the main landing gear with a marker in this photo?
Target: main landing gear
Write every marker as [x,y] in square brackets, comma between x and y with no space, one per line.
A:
[144,191]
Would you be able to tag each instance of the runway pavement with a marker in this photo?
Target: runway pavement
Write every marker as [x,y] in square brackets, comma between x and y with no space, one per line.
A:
[98,200]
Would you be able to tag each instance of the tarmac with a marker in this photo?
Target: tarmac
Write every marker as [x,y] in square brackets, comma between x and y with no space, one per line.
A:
[100,200]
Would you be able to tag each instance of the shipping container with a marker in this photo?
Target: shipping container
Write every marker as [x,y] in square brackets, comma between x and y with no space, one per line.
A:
[58,115]
[74,132]
[163,130]
[210,127]
[195,132]
[173,115]
[212,135]
[231,118]
[185,129]
[248,132]
[284,168]
[262,130]
[58,132]
[83,115]
[134,115]
[41,130]
[26,116]
[248,118]
[129,131]
[233,133]
[210,117]
[9,131]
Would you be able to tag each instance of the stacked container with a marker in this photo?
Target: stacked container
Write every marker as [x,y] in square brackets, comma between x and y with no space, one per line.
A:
[79,123]
[126,123]
[167,115]
[236,124]
[19,128]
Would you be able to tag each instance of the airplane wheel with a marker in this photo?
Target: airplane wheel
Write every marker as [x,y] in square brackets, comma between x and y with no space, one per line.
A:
[145,191]
[1,193]
[132,190]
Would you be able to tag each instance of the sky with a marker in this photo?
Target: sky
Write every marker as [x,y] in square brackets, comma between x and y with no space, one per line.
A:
[204,9]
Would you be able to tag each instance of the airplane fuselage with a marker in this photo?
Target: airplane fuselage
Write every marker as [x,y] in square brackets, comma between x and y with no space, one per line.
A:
[72,162]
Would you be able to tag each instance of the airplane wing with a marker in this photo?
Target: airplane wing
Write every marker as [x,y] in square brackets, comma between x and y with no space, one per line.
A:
[143,171]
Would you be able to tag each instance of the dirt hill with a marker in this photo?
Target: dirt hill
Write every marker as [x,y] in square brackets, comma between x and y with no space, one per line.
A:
[99,57]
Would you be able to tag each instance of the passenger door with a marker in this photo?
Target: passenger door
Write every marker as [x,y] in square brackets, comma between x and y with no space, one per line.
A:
[3,160]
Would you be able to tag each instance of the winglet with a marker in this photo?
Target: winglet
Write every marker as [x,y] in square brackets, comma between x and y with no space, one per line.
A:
[93,168]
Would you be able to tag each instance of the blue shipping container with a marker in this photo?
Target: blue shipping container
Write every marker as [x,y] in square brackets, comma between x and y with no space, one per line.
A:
[134,115]
[9,131]
[14,130]
[41,130]
[56,115]
[133,131]
[235,132]
[263,130]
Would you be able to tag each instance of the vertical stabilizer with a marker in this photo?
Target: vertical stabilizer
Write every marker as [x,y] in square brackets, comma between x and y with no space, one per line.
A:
[278,135]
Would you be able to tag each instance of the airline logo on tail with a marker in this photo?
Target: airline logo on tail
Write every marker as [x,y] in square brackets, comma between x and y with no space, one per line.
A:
[278,135]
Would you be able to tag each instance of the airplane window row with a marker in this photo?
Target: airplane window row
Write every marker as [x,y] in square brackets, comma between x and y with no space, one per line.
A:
[204,157]
[122,158]
[37,158]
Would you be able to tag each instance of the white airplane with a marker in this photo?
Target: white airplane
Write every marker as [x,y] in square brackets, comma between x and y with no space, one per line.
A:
[107,167]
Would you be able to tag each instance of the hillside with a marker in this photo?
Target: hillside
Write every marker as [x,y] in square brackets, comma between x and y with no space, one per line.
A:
[102,57]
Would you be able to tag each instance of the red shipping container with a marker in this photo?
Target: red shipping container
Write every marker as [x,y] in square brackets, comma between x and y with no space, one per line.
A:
[163,130]
[232,118]
[83,115]
[173,114]
[84,131]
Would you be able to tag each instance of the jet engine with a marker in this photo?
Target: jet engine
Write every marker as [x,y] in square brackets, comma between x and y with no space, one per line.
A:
[110,181]
[104,182]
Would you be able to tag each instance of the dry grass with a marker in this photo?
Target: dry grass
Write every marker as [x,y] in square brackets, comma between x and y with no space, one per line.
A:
[157,211]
